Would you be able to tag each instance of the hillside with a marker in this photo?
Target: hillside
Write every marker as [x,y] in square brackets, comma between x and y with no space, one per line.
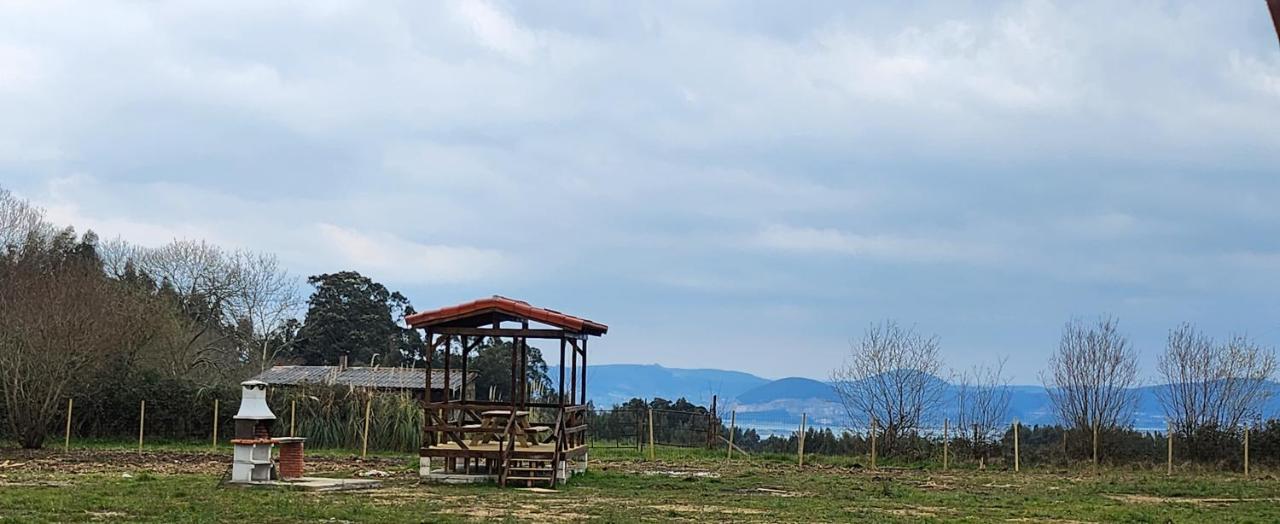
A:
[799,388]
[610,384]
[778,404]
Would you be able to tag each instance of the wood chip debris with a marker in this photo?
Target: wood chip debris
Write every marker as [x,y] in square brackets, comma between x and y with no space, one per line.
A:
[685,474]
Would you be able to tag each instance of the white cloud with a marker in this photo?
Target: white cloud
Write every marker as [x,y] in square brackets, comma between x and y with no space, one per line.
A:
[20,69]
[1025,148]
[64,205]
[496,30]
[389,256]
[1103,226]
[876,246]
[1257,74]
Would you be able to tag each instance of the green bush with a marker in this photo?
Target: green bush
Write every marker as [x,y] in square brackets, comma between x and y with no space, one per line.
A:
[333,417]
[329,416]
[175,408]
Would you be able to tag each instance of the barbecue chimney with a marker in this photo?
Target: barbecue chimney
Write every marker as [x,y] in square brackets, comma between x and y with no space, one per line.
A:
[254,418]
[253,402]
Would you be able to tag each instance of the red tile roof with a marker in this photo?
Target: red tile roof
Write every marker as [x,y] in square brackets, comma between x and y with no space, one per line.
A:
[512,307]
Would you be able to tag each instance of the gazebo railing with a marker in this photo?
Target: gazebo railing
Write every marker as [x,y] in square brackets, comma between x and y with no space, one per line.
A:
[457,420]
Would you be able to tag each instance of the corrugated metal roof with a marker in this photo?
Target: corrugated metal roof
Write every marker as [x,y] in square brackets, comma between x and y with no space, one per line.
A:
[389,378]
[515,308]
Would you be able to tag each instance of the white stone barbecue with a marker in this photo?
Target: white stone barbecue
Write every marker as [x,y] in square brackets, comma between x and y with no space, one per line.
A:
[251,461]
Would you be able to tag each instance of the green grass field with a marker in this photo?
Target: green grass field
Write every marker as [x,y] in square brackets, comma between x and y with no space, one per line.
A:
[180,483]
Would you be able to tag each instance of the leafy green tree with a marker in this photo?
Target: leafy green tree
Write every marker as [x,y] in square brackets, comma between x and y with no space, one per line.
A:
[351,314]
[492,364]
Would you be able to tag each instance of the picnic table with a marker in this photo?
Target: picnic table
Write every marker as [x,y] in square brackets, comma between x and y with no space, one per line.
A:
[495,421]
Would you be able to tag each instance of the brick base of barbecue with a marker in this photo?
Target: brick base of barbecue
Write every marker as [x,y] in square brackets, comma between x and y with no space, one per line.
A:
[291,464]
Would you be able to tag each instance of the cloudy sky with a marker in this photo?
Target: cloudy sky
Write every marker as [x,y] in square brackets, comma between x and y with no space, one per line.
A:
[726,184]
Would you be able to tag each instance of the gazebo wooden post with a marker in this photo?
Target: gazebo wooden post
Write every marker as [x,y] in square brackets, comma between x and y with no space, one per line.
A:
[560,390]
[524,367]
[448,348]
[514,354]
[584,371]
[517,385]
[573,372]
[428,439]
[465,349]
[446,414]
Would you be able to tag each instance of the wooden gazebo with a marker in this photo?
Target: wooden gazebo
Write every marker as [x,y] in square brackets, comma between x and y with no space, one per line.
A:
[515,439]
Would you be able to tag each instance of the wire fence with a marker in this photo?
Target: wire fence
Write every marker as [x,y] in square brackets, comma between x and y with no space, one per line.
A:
[625,427]
[353,418]
[1012,447]
[334,417]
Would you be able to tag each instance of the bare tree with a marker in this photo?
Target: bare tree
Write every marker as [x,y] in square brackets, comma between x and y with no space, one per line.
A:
[60,319]
[201,280]
[267,300]
[118,256]
[891,374]
[74,311]
[226,310]
[1213,386]
[982,403]
[1091,376]
[194,269]
[18,220]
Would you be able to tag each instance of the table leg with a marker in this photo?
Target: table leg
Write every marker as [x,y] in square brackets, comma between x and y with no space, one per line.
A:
[484,436]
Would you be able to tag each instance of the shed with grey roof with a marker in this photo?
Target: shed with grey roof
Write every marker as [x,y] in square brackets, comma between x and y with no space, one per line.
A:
[408,379]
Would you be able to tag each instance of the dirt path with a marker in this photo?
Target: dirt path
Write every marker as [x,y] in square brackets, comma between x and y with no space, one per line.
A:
[90,461]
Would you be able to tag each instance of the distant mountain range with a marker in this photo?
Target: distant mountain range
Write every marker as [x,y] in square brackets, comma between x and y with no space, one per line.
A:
[611,384]
[776,405]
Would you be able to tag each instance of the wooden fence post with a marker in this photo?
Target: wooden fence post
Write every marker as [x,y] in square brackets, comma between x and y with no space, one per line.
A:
[1017,462]
[652,444]
[946,443]
[982,455]
[733,422]
[293,417]
[804,418]
[1169,451]
[215,423]
[1246,451]
[640,425]
[66,443]
[142,422]
[1095,446]
[873,442]
[713,424]
[368,411]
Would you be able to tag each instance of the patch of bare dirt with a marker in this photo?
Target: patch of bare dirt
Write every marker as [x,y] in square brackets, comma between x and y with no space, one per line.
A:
[936,486]
[705,509]
[387,495]
[4,481]
[922,512]
[771,492]
[521,513]
[684,474]
[83,461]
[1202,501]
[90,461]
